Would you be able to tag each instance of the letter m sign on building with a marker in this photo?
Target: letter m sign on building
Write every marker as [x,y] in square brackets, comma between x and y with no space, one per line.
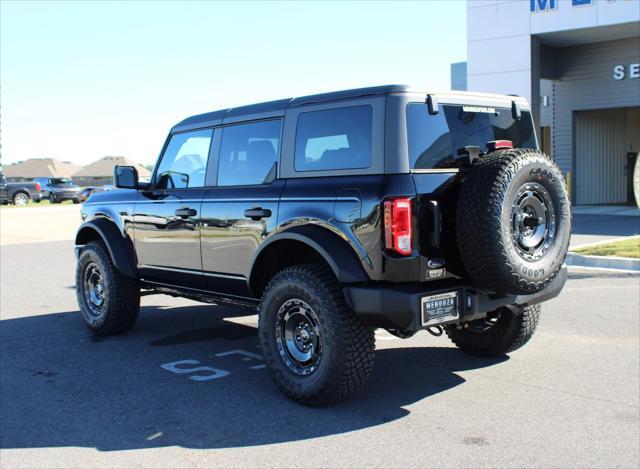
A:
[542,5]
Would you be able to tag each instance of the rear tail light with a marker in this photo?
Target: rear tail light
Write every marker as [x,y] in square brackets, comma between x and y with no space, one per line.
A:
[38,187]
[499,145]
[398,231]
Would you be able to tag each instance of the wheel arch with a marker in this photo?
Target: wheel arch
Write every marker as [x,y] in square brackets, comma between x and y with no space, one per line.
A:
[21,191]
[120,246]
[300,245]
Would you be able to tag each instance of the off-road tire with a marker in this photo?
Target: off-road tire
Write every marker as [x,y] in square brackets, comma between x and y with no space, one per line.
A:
[53,199]
[510,332]
[485,218]
[121,297]
[347,343]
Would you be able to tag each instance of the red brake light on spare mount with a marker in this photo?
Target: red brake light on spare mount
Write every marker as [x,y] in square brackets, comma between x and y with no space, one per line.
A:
[38,187]
[398,220]
[499,145]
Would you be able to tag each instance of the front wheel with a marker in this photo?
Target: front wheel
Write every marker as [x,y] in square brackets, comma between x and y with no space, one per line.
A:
[317,350]
[501,332]
[109,301]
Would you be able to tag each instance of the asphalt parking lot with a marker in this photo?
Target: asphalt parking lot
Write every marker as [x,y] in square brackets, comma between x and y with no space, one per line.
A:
[186,386]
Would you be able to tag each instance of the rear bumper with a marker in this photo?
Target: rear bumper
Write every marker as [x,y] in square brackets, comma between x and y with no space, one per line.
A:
[398,307]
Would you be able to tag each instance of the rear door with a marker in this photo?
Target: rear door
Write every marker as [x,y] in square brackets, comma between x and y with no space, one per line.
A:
[167,217]
[241,210]
[434,143]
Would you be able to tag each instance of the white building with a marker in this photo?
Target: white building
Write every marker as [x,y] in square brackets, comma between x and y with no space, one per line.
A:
[577,61]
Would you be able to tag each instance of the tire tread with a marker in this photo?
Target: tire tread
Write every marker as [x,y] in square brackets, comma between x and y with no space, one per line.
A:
[516,337]
[124,303]
[359,339]
[479,219]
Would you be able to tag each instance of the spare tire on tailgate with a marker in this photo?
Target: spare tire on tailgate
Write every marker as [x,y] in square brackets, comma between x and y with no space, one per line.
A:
[513,221]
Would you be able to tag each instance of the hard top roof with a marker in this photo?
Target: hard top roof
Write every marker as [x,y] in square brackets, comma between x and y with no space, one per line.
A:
[277,108]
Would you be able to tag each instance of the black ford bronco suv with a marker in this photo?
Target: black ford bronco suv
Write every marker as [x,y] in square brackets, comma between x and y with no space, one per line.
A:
[335,214]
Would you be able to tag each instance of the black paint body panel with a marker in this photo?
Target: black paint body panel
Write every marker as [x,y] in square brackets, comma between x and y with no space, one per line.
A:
[214,249]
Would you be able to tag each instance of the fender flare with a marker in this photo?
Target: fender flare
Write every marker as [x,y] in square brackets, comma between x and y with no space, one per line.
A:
[335,251]
[120,246]
[21,190]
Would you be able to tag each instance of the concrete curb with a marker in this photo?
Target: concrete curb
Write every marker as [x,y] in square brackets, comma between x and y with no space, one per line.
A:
[615,263]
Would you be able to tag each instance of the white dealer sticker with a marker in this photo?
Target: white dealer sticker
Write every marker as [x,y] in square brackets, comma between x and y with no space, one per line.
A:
[486,110]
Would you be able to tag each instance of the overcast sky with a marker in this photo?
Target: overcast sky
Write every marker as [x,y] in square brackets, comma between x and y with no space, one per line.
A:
[81,80]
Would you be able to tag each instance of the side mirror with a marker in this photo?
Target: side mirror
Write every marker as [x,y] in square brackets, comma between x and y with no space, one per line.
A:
[125,177]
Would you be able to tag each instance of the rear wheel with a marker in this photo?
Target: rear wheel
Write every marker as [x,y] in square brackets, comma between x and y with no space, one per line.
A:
[109,301]
[502,331]
[52,198]
[318,352]
[20,199]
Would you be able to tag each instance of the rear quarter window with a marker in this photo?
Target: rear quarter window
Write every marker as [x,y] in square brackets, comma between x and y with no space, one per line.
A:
[334,139]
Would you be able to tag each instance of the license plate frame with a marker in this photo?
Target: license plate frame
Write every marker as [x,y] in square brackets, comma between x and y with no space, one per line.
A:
[439,309]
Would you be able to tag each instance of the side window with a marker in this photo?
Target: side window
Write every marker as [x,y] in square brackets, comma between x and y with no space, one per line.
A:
[184,163]
[334,139]
[248,153]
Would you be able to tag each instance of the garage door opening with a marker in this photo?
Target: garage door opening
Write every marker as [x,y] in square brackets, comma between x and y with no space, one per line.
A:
[603,141]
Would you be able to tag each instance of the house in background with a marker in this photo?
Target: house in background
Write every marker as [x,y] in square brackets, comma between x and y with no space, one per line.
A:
[39,167]
[100,172]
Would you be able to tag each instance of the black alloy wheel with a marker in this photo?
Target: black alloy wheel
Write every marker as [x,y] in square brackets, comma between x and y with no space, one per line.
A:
[298,335]
[317,350]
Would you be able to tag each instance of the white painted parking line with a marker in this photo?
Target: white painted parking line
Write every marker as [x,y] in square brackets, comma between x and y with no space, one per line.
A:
[243,353]
[384,335]
[209,373]
[214,373]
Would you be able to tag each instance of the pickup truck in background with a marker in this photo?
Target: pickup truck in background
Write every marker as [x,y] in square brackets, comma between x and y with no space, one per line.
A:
[58,189]
[18,193]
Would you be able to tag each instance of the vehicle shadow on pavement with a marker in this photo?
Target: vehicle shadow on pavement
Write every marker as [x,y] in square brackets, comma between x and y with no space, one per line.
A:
[609,225]
[185,377]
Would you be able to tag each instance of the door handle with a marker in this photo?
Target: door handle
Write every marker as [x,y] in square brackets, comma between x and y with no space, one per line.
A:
[257,213]
[186,212]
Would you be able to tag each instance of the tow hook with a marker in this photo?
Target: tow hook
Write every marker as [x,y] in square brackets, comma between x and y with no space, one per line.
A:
[435,330]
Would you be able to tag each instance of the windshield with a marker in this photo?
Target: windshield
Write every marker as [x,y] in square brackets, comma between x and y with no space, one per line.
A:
[434,140]
[62,182]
